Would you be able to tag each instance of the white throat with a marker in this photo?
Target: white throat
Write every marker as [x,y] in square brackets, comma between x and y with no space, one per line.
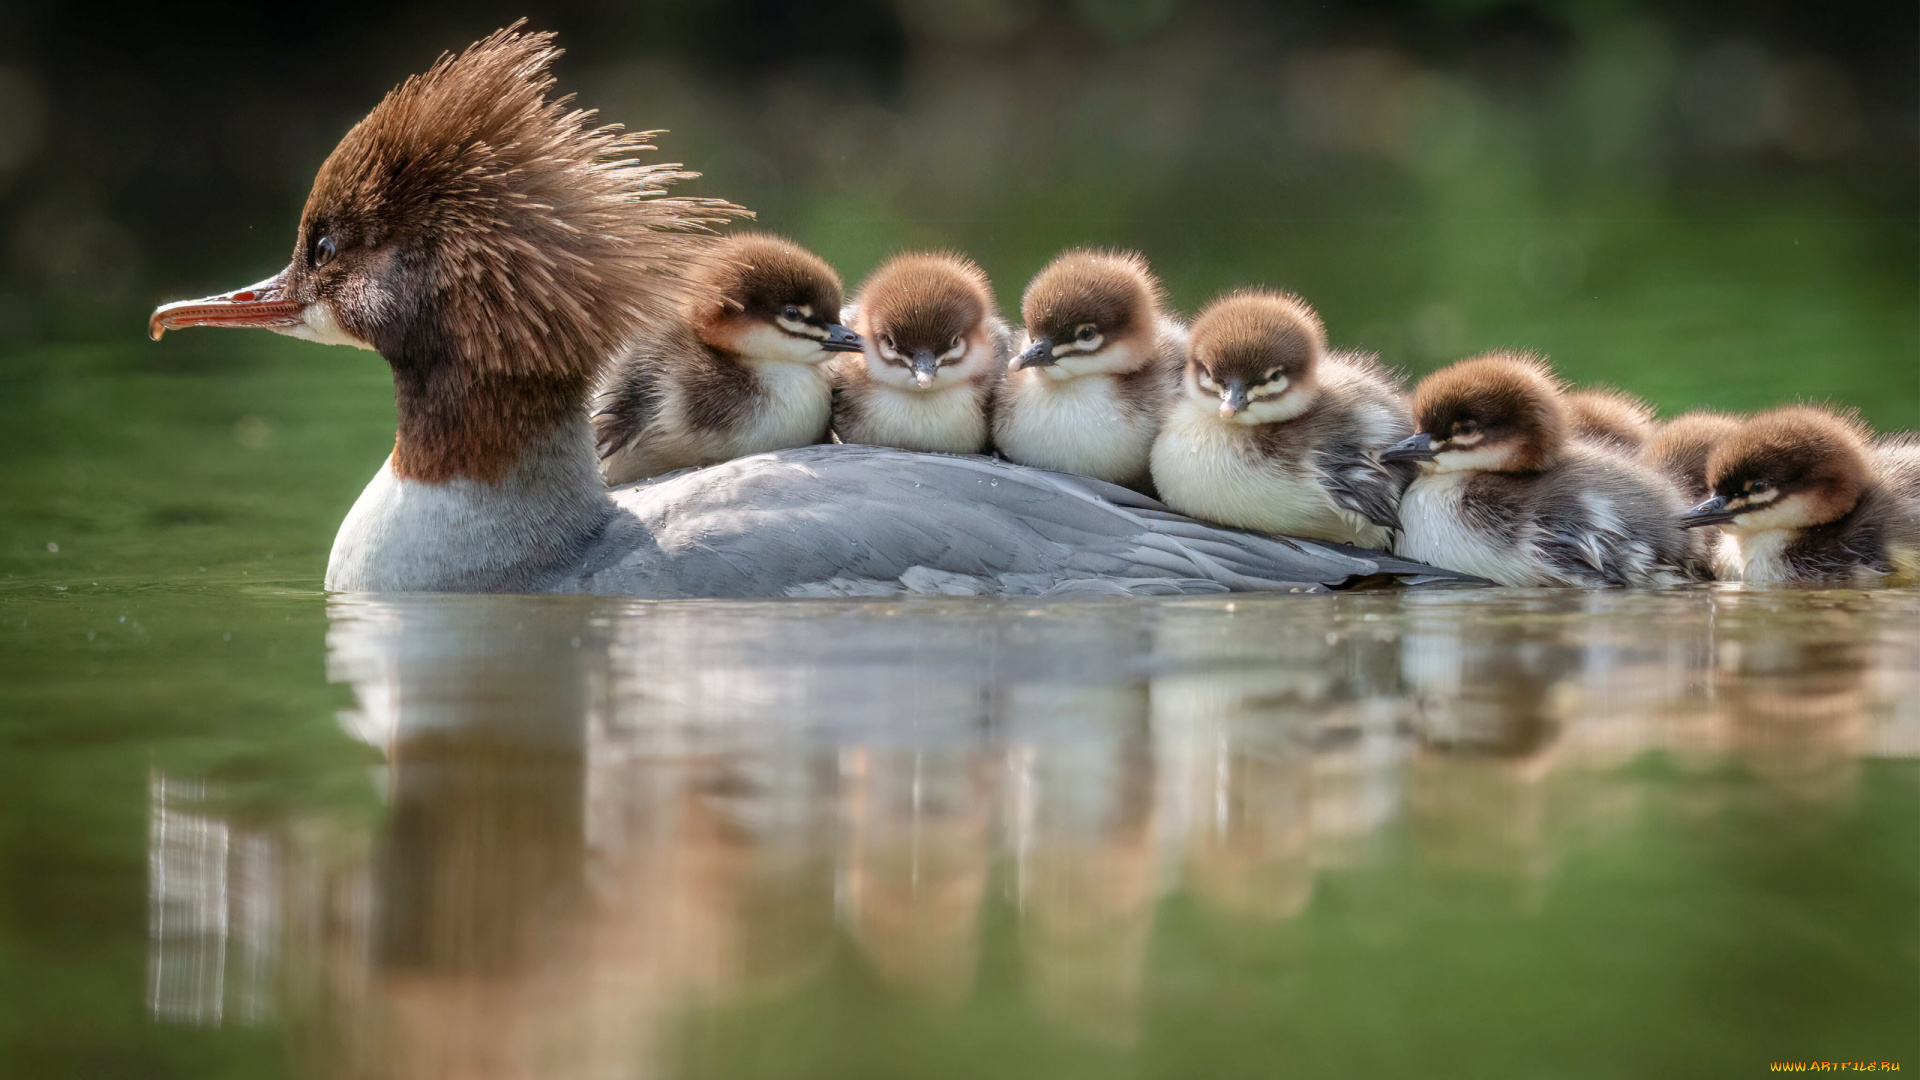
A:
[516,534]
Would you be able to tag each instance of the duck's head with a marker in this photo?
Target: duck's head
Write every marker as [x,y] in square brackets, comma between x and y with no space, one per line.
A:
[1613,418]
[1090,313]
[770,301]
[925,319]
[1681,447]
[1790,468]
[476,232]
[1253,357]
[1500,412]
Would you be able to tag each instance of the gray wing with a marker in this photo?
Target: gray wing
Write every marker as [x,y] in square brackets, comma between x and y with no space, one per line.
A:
[861,520]
[1358,481]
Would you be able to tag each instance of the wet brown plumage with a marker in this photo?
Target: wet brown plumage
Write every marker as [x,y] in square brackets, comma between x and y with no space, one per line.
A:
[1611,418]
[1800,449]
[1682,445]
[484,237]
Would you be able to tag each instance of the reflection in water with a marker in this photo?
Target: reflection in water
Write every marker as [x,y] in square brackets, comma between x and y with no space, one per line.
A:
[603,816]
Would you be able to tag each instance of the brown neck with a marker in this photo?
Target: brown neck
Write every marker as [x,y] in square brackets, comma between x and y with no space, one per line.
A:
[458,425]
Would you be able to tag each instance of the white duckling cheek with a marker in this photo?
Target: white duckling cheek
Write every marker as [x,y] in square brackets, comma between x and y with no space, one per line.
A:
[1116,359]
[770,344]
[1792,512]
[318,324]
[1485,458]
[1275,402]
[887,373]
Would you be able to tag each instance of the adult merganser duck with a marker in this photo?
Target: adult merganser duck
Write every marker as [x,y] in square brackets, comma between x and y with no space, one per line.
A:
[935,350]
[1100,365]
[742,372]
[1504,492]
[1273,431]
[1681,447]
[498,250]
[1610,418]
[1804,495]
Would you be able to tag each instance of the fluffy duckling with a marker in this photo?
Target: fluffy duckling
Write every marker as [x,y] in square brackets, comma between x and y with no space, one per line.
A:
[1504,490]
[1610,418]
[1102,359]
[935,350]
[741,371]
[1271,431]
[1680,449]
[1802,495]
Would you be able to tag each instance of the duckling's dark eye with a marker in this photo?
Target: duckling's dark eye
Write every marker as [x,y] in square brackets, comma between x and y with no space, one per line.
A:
[953,345]
[887,340]
[1466,427]
[790,313]
[323,252]
[1759,487]
[1085,333]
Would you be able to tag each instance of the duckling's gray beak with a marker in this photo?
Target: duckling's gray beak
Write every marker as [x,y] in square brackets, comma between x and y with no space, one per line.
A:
[924,365]
[264,305]
[1412,448]
[1038,354]
[1712,512]
[1233,398]
[841,339]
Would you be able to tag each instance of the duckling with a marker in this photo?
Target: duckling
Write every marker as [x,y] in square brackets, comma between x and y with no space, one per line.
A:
[742,371]
[1682,445]
[1609,418]
[1100,365]
[1271,431]
[1803,495]
[1505,492]
[499,250]
[935,350]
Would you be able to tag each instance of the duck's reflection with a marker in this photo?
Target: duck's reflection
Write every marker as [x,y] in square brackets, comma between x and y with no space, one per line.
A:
[602,818]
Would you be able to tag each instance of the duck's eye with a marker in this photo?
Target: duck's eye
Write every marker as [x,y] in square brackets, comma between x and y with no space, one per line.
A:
[1759,487]
[1085,333]
[790,313]
[954,345]
[1466,427]
[887,340]
[323,252]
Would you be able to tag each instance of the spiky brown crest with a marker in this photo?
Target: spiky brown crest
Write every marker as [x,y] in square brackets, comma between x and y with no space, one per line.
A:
[1113,290]
[925,300]
[751,273]
[1508,397]
[1248,334]
[494,224]
[1609,416]
[1681,447]
[1796,449]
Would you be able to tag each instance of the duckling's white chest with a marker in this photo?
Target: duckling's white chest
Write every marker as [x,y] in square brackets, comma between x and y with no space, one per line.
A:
[1436,529]
[1759,558]
[1078,425]
[795,406]
[1213,470]
[949,420]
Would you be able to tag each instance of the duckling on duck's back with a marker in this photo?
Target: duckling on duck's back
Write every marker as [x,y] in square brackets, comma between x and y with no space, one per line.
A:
[1271,431]
[1504,492]
[741,371]
[498,251]
[1803,494]
[1087,394]
[935,351]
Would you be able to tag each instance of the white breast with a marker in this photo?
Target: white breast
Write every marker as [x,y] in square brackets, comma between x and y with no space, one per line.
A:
[1433,530]
[1758,558]
[1074,425]
[1207,469]
[797,405]
[938,421]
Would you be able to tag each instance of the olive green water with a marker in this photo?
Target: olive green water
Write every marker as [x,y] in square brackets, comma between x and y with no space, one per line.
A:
[250,831]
